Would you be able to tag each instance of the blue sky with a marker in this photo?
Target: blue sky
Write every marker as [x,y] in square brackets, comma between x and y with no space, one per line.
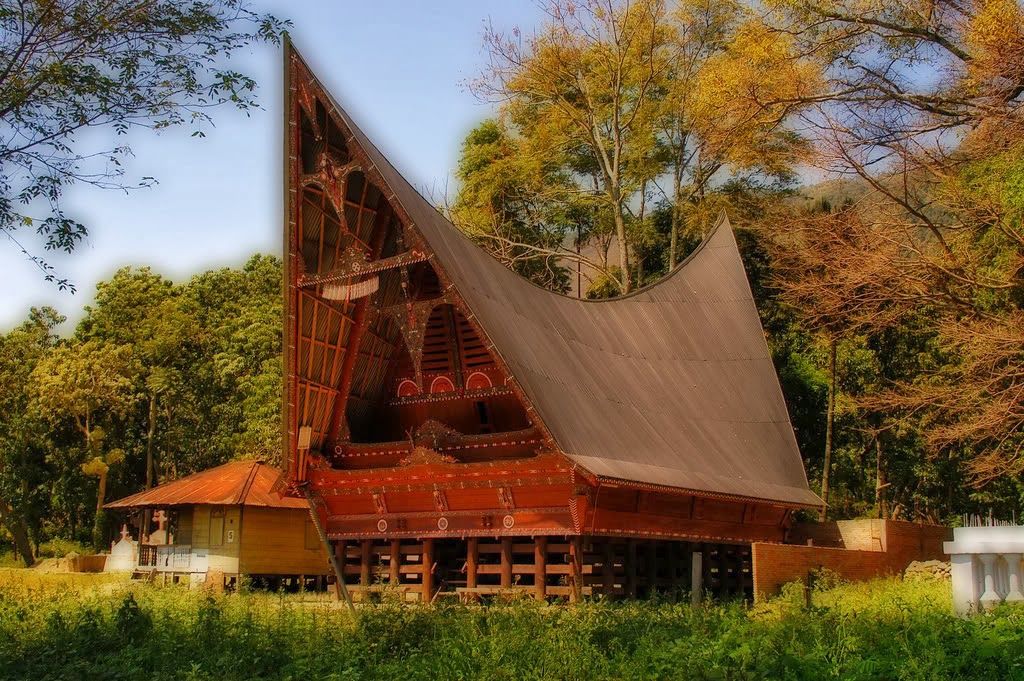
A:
[395,65]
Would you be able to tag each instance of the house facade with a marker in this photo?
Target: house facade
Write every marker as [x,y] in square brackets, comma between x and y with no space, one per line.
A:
[458,429]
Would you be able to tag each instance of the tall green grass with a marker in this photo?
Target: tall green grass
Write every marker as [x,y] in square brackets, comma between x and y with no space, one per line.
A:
[74,629]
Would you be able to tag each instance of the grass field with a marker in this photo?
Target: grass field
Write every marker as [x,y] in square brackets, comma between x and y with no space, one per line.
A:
[101,627]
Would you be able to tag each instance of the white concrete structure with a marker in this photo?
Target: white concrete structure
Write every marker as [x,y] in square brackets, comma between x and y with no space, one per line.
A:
[986,566]
[124,554]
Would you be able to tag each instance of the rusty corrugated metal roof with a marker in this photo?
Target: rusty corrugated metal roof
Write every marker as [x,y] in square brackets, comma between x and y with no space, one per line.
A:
[672,385]
[239,483]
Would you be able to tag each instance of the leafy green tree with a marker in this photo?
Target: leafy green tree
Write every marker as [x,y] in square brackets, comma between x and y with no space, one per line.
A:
[608,102]
[91,383]
[22,432]
[68,66]
[517,206]
[142,310]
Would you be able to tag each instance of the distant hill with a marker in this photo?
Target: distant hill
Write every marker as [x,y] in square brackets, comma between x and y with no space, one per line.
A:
[836,192]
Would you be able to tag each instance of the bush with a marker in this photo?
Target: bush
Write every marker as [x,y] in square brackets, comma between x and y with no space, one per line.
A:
[64,627]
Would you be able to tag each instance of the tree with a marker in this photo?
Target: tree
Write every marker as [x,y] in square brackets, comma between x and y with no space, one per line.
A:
[941,228]
[22,434]
[586,87]
[68,66]
[91,383]
[608,99]
[732,88]
[142,310]
[517,206]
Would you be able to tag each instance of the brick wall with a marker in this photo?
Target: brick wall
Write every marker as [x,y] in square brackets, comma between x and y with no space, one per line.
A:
[906,542]
[778,564]
[855,549]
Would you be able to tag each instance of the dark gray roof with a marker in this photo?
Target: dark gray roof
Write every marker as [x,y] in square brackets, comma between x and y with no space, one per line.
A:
[672,385]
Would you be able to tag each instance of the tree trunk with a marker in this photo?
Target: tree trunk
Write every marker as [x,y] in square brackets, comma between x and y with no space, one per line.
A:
[829,423]
[880,483]
[101,493]
[99,520]
[147,512]
[620,236]
[677,216]
[149,440]
[16,526]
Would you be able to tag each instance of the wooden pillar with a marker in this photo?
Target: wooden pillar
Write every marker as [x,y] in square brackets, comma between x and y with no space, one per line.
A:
[652,568]
[630,567]
[341,555]
[506,562]
[540,568]
[395,566]
[608,568]
[427,557]
[675,568]
[575,569]
[472,558]
[364,562]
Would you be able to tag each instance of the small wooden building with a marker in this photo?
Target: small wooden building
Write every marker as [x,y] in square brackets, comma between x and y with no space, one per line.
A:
[458,429]
[227,521]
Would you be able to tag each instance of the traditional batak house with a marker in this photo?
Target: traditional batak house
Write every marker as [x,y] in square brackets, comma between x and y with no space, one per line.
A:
[458,429]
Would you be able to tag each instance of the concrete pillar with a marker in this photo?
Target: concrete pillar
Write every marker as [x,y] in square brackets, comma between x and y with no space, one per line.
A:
[989,597]
[1013,564]
[697,578]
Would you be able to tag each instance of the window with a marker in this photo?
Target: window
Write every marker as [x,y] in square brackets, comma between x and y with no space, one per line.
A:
[217,527]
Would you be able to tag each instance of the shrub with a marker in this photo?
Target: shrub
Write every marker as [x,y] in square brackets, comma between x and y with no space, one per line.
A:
[91,627]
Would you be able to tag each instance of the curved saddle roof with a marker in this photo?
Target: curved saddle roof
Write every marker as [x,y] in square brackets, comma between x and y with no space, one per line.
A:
[670,386]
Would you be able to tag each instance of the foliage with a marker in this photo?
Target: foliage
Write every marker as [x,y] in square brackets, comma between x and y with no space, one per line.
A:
[886,629]
[514,204]
[159,380]
[605,103]
[68,66]
[936,236]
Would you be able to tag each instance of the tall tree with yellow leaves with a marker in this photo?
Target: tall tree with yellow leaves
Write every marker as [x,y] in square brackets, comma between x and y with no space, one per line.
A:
[617,95]
[588,84]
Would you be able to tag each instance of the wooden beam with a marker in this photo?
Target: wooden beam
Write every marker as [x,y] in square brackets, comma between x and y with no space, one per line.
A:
[339,574]
[540,568]
[608,568]
[427,558]
[506,562]
[394,576]
[575,569]
[472,560]
[364,562]
[652,568]
[631,569]
[355,336]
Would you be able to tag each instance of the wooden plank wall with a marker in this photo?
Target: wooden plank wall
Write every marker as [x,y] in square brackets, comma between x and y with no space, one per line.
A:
[223,558]
[274,543]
